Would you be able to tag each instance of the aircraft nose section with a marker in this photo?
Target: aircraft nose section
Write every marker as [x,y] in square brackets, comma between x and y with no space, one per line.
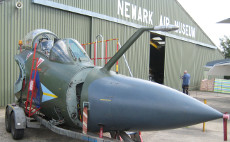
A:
[123,103]
[179,109]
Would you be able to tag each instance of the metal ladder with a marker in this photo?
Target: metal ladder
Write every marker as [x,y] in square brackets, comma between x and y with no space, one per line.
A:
[31,93]
[102,53]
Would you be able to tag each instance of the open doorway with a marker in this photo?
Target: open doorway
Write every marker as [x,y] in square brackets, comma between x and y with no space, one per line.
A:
[157,58]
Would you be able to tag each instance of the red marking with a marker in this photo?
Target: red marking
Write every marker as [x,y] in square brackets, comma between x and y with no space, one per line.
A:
[40,61]
[85,120]
[140,136]
[120,138]
[106,50]
[28,55]
[94,54]
[101,132]
[117,51]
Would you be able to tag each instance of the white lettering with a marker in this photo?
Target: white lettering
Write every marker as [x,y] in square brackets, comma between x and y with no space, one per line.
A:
[150,17]
[161,21]
[167,21]
[178,25]
[186,30]
[189,31]
[145,16]
[120,7]
[134,12]
[183,29]
[193,32]
[127,5]
[139,18]
[164,21]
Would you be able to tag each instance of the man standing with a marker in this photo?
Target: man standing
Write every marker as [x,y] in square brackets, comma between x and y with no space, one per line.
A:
[186,82]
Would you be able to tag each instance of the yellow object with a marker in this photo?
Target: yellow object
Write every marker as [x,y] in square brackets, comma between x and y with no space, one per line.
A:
[117,68]
[107,100]
[203,126]
[153,44]
[205,102]
[20,42]
[51,95]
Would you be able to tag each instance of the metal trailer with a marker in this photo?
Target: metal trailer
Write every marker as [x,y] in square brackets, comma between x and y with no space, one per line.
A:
[16,122]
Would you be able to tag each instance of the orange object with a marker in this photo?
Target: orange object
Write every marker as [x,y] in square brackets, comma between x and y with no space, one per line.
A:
[20,42]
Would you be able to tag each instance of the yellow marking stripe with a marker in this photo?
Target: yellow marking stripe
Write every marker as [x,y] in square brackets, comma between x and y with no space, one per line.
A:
[153,44]
[51,95]
[11,106]
[106,100]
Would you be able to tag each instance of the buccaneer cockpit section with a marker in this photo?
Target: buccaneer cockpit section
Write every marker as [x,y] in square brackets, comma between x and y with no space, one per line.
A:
[55,49]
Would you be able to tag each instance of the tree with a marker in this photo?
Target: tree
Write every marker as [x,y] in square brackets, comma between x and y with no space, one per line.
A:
[225,44]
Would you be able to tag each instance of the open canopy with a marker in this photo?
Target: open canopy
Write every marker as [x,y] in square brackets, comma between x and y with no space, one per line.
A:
[66,50]
[32,37]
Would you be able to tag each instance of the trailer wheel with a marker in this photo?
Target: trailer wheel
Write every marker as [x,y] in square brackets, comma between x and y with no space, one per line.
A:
[16,133]
[7,121]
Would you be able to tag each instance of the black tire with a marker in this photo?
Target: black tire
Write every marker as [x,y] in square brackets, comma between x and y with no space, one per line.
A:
[16,133]
[7,121]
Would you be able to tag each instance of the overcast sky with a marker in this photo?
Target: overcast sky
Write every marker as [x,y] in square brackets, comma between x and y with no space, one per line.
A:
[207,13]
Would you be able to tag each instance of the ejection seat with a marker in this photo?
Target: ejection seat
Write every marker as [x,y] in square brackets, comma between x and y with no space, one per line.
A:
[44,46]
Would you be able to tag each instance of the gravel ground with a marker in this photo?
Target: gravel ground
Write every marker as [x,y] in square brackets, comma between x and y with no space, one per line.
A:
[213,132]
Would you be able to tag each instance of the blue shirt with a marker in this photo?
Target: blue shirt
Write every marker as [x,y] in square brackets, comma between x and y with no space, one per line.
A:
[186,79]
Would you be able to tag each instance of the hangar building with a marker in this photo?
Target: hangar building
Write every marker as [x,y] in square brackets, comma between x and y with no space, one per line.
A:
[162,56]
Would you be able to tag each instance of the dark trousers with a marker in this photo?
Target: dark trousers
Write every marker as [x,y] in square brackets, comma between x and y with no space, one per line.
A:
[185,89]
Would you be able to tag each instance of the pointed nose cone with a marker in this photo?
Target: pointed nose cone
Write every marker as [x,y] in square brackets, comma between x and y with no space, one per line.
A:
[123,103]
[181,110]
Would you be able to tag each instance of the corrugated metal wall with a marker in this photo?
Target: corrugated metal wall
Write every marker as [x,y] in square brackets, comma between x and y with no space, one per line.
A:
[137,54]
[16,23]
[180,56]
[165,8]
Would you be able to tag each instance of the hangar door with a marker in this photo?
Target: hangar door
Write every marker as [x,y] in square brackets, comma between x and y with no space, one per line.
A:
[157,58]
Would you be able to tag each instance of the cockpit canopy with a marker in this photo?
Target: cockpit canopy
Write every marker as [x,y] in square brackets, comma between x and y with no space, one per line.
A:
[58,50]
[68,51]
[34,36]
